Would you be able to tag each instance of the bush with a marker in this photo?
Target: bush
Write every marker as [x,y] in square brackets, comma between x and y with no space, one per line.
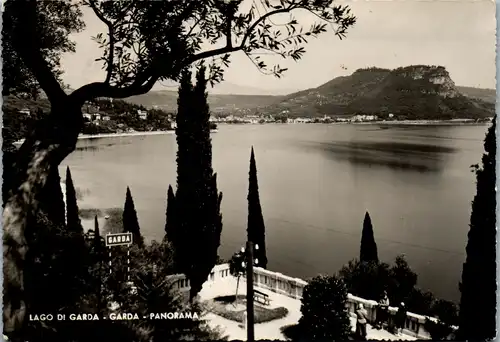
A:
[291,331]
[324,312]
[446,313]
[369,279]
[439,330]
[366,279]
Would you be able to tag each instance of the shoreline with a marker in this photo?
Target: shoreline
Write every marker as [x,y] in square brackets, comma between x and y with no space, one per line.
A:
[129,134]
[117,135]
[388,123]
[393,122]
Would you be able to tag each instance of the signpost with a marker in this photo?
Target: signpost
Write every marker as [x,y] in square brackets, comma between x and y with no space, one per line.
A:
[119,239]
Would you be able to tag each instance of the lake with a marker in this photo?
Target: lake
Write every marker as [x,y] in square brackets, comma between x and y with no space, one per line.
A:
[316,183]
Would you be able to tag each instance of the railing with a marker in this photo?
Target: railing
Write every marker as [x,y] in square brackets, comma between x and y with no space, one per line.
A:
[182,284]
[294,288]
[413,325]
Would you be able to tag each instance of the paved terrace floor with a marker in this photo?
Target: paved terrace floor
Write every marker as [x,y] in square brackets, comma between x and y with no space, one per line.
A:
[270,330]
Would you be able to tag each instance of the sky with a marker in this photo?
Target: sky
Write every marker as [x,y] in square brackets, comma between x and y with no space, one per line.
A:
[457,34]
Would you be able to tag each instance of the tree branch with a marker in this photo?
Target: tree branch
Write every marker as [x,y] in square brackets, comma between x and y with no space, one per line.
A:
[30,53]
[110,26]
[141,85]
[229,48]
[261,19]
[257,66]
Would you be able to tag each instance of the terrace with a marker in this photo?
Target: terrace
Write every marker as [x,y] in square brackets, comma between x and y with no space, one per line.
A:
[284,291]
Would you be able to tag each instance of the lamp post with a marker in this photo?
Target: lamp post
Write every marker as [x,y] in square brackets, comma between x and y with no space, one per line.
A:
[248,252]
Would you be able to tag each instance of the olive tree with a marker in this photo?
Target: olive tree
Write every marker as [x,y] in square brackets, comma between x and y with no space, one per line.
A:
[145,42]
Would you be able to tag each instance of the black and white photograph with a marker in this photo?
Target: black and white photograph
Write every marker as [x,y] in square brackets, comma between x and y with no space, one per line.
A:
[245,170]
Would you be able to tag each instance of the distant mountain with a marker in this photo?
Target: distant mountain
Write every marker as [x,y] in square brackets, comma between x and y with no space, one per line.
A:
[167,100]
[487,95]
[236,89]
[416,92]
[229,88]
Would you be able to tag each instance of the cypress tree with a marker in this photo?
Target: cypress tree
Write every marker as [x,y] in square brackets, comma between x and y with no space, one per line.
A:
[368,250]
[97,234]
[177,233]
[478,286]
[72,217]
[256,229]
[169,225]
[98,258]
[196,223]
[130,220]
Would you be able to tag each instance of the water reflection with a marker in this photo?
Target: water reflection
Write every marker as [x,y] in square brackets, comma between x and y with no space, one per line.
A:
[96,147]
[394,155]
[88,148]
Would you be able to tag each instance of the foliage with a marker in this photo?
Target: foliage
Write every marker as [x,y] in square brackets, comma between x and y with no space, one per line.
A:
[403,280]
[192,27]
[366,279]
[324,312]
[146,50]
[478,286]
[420,301]
[369,279]
[130,220]
[447,316]
[170,230]
[55,22]
[256,229]
[150,267]
[56,273]
[147,41]
[220,261]
[237,268]
[62,290]
[194,221]
[72,213]
[368,249]
[291,331]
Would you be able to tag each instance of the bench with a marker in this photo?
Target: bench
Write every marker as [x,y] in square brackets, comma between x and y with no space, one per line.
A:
[261,297]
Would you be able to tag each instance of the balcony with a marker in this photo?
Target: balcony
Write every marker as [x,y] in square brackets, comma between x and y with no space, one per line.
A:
[287,292]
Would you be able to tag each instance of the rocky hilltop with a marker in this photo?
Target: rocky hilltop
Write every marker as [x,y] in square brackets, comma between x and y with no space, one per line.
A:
[413,92]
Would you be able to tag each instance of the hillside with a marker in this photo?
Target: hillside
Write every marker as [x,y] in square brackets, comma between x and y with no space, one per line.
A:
[167,100]
[486,95]
[414,92]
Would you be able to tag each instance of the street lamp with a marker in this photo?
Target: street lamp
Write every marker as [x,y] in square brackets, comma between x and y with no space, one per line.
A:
[250,262]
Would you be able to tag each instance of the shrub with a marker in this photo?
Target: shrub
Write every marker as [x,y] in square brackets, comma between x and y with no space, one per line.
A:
[324,312]
[291,331]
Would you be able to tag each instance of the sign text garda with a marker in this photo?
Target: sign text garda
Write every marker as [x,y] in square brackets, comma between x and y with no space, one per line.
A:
[118,239]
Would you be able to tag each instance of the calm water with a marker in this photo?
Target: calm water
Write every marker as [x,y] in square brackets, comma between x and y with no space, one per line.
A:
[316,182]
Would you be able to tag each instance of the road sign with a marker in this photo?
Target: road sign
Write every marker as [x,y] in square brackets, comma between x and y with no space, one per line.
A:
[118,239]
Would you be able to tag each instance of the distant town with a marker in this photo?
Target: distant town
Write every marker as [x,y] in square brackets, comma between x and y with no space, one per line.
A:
[123,118]
[359,118]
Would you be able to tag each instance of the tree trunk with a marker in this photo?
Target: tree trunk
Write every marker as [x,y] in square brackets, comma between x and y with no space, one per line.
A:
[43,150]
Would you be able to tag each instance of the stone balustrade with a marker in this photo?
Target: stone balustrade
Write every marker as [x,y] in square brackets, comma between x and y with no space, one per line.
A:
[294,287]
